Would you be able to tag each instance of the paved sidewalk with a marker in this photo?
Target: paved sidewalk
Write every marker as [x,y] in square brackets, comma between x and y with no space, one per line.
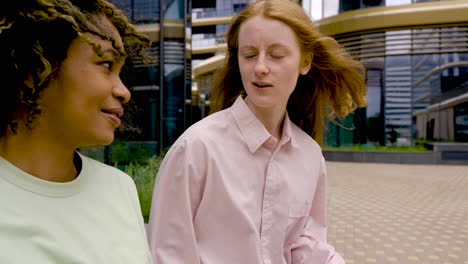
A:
[390,213]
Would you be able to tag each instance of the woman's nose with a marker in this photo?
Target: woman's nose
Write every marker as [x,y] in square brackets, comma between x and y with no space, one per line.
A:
[261,67]
[121,92]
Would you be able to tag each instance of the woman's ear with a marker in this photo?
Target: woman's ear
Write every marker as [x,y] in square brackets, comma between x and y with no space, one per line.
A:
[306,64]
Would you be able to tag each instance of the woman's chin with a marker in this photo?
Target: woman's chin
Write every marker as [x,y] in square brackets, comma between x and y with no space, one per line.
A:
[100,141]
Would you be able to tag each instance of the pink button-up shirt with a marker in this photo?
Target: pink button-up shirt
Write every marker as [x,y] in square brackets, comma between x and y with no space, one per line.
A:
[228,192]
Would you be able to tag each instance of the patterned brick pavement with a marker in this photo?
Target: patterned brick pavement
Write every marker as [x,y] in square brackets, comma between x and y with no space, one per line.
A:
[389,213]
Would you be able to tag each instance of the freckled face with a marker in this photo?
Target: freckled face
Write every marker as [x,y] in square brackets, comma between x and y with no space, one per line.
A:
[83,103]
[269,62]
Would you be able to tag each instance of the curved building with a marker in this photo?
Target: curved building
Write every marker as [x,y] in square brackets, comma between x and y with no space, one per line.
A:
[416,56]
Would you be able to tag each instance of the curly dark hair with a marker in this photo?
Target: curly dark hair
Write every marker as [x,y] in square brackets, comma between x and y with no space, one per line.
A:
[34,39]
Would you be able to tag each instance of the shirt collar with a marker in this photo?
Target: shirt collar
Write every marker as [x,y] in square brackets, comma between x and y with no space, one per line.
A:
[252,129]
[287,131]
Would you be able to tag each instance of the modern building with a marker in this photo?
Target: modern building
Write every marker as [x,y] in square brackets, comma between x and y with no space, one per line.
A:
[209,25]
[417,66]
[161,106]
[211,19]
[161,89]
[416,56]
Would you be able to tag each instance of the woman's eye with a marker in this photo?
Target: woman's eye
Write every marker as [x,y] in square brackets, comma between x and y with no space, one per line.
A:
[277,56]
[107,64]
[248,56]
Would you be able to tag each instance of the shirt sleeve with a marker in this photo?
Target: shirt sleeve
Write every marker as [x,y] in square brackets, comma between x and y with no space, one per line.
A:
[312,246]
[176,197]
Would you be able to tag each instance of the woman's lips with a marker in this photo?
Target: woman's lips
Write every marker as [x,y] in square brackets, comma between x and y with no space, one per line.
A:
[262,84]
[114,114]
[114,118]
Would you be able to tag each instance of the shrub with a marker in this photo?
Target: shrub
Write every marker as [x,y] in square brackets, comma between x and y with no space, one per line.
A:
[144,176]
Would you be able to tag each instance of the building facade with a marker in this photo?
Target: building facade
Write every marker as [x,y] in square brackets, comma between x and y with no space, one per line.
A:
[161,108]
[211,18]
[161,89]
[210,23]
[416,56]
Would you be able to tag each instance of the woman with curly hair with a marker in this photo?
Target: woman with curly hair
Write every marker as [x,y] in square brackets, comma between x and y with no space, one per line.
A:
[60,63]
[247,184]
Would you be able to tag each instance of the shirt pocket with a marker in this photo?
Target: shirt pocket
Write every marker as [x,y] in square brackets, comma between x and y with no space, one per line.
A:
[298,215]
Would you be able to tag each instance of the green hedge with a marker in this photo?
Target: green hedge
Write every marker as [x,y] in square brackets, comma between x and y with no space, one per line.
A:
[144,176]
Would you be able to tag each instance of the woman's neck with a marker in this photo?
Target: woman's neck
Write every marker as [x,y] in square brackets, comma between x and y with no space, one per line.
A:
[271,118]
[39,156]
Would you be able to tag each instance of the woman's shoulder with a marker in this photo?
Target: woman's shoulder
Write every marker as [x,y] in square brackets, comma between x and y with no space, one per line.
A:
[208,130]
[96,165]
[304,140]
[103,171]
[219,119]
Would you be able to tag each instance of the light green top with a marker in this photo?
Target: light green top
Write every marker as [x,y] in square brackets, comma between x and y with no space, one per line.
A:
[95,218]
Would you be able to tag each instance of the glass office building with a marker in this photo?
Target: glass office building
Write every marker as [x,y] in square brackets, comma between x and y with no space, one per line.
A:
[161,108]
[210,23]
[208,35]
[416,56]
